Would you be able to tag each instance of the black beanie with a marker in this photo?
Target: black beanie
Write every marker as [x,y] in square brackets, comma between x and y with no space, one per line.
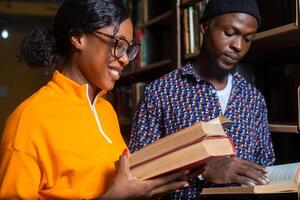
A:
[219,7]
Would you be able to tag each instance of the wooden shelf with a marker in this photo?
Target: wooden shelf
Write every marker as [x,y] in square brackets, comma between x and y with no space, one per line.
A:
[276,40]
[190,56]
[147,67]
[284,128]
[28,8]
[276,31]
[157,20]
[188,2]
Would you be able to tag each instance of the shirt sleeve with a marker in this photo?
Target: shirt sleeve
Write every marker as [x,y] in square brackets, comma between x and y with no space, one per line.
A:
[19,175]
[147,122]
[264,152]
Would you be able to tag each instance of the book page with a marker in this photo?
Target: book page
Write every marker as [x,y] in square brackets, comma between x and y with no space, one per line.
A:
[213,127]
[284,173]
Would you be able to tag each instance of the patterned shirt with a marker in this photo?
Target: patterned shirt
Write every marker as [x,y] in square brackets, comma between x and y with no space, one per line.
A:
[182,98]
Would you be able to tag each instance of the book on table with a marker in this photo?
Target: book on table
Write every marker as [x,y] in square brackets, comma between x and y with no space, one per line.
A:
[283,179]
[186,149]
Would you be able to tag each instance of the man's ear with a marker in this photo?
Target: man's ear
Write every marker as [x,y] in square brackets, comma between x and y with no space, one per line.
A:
[78,42]
[204,27]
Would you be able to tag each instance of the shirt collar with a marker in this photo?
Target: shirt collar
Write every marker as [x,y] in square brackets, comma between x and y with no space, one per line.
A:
[188,70]
[66,86]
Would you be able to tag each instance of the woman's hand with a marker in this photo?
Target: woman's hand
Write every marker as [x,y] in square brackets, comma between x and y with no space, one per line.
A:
[235,170]
[126,186]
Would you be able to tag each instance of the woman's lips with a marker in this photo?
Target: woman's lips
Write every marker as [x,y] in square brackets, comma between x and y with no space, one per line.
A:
[114,73]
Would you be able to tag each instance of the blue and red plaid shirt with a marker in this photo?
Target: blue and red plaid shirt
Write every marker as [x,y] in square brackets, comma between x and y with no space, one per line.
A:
[182,98]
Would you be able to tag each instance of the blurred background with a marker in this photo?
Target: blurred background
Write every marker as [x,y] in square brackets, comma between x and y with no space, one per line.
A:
[17,81]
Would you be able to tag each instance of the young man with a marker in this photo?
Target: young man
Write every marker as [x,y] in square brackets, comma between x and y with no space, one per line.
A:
[209,88]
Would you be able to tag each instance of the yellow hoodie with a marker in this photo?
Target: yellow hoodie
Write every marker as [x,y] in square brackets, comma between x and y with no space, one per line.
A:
[57,144]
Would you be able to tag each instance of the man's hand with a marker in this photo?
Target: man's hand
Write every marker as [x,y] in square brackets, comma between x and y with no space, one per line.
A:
[235,170]
[126,186]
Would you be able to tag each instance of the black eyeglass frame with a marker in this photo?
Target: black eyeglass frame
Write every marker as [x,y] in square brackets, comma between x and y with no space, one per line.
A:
[117,39]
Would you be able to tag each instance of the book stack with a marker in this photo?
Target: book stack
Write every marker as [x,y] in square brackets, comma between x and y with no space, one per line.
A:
[188,148]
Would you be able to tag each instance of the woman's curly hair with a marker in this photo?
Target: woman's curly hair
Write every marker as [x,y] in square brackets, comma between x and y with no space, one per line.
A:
[43,48]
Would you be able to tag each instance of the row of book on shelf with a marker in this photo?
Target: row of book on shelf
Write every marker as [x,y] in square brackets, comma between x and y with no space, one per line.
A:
[191,30]
[150,38]
[143,11]
[141,36]
[194,146]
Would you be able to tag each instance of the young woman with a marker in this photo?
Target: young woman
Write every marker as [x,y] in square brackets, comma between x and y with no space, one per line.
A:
[63,141]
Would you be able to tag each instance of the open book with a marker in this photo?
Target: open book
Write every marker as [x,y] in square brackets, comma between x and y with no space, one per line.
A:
[187,148]
[283,178]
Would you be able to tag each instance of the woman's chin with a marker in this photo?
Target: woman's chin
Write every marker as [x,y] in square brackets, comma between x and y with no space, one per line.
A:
[109,86]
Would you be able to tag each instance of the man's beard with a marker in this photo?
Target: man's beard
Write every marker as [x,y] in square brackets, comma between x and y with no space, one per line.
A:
[217,69]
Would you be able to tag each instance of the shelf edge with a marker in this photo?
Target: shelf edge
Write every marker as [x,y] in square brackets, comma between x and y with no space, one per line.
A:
[284,128]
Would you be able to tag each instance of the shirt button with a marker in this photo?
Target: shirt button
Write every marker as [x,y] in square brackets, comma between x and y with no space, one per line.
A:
[213,91]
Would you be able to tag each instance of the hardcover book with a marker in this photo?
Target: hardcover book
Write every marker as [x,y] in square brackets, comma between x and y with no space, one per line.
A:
[188,148]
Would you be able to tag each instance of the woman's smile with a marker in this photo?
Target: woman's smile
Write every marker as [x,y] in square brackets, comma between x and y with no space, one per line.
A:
[114,72]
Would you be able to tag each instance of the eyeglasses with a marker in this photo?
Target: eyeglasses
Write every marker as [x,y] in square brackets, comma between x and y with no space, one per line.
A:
[122,46]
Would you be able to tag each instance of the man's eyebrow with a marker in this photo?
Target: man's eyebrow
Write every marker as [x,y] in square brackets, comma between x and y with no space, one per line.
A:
[237,30]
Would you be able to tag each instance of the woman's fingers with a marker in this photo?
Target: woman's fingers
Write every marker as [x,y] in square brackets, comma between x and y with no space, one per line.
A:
[124,166]
[167,188]
[169,178]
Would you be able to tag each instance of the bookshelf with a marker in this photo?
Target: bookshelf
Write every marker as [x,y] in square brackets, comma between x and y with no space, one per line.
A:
[157,20]
[278,43]
[273,59]
[283,34]
[156,27]
[274,56]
